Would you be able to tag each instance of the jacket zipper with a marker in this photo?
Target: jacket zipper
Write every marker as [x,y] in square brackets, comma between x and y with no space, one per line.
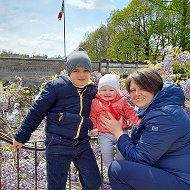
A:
[80,113]
[60,116]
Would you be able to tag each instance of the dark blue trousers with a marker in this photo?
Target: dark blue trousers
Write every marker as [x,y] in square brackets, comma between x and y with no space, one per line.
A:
[60,152]
[126,175]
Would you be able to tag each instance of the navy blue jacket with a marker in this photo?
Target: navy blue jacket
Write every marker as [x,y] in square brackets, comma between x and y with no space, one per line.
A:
[66,111]
[162,139]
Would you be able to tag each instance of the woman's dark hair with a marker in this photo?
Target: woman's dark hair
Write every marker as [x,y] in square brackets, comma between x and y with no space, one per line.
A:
[148,79]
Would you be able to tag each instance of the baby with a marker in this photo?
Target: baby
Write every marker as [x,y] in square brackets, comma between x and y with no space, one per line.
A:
[110,99]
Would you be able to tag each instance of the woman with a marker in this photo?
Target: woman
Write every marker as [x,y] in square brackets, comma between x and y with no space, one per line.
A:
[157,156]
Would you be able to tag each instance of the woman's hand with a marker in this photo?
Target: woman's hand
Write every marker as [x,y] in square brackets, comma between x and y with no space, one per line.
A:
[113,125]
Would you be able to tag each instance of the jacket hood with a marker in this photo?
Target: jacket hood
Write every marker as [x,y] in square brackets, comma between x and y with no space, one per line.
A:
[170,94]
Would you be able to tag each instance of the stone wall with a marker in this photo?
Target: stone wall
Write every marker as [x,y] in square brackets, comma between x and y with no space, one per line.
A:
[32,71]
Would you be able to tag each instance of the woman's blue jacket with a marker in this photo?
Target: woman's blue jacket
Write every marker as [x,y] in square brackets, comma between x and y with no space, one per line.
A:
[162,140]
[65,108]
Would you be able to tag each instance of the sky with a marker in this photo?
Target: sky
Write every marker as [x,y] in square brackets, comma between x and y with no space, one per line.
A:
[32,27]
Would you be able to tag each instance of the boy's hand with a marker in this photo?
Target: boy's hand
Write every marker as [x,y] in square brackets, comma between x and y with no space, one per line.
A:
[94,132]
[17,145]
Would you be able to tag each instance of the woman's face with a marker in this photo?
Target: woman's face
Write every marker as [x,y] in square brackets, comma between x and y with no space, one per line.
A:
[139,96]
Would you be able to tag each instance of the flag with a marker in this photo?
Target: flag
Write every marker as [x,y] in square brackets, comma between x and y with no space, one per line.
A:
[61,12]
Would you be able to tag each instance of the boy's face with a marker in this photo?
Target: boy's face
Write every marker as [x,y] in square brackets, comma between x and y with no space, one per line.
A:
[80,77]
[107,93]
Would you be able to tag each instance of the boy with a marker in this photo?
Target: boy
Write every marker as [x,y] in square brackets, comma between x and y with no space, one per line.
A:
[65,102]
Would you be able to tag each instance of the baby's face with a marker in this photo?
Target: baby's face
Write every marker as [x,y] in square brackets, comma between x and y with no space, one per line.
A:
[107,93]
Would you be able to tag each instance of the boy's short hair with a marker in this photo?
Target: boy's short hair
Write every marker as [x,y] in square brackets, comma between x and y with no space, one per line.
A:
[78,58]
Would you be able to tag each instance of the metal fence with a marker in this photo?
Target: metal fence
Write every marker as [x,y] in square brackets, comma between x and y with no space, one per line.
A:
[31,158]
[107,66]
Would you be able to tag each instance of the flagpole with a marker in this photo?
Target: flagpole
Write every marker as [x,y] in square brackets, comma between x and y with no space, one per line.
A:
[64,42]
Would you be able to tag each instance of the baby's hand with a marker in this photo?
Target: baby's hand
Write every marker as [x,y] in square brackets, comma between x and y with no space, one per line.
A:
[139,121]
[94,132]
[129,124]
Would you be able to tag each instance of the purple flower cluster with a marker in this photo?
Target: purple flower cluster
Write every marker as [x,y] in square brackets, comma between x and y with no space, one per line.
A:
[26,170]
[95,77]
[186,88]
[183,58]
[166,71]
[167,63]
